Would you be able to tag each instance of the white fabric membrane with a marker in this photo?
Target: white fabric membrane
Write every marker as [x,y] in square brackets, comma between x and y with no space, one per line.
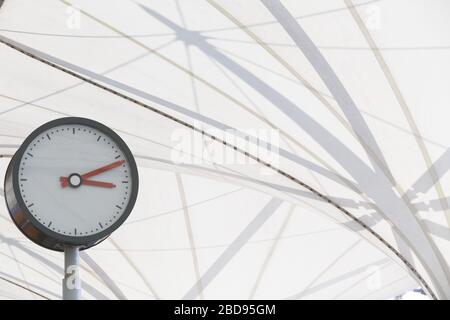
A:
[354,94]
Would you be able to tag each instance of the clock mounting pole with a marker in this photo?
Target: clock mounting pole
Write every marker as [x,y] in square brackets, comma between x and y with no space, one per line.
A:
[71,281]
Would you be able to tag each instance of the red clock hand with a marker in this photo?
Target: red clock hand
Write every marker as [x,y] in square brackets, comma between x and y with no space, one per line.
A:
[84,178]
[98,184]
[102,169]
[65,182]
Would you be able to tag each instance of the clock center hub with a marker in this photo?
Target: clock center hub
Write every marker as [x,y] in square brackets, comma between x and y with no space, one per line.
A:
[75,180]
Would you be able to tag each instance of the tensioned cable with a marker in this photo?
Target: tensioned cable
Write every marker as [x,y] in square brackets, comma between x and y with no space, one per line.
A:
[239,150]
[19,285]
[311,15]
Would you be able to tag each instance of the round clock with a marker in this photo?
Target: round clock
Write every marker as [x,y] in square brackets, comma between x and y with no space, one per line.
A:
[71,183]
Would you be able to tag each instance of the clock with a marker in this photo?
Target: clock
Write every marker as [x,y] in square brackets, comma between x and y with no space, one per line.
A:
[72,182]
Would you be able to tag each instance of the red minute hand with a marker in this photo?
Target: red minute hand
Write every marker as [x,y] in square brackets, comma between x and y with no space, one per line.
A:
[102,169]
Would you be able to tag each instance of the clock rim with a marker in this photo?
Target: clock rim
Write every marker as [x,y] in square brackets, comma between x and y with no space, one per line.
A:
[56,238]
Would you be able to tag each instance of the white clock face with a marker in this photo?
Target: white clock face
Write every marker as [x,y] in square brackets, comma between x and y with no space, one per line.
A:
[75,180]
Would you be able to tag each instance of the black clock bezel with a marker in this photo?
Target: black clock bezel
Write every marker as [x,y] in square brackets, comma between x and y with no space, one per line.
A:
[42,235]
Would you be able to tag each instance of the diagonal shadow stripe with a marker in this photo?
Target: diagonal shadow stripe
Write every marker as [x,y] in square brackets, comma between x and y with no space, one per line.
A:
[90,289]
[428,255]
[135,268]
[14,283]
[231,251]
[190,234]
[330,266]
[126,63]
[336,280]
[271,252]
[357,282]
[29,267]
[103,275]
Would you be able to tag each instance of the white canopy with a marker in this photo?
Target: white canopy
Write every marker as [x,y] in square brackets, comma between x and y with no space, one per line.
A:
[338,110]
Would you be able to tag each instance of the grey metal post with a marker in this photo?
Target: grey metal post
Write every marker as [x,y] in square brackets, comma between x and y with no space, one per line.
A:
[71,281]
